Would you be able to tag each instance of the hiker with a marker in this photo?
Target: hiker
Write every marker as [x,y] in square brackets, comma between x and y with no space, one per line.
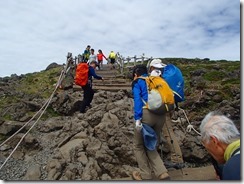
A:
[100,57]
[148,161]
[88,91]
[112,58]
[156,66]
[172,75]
[221,139]
[155,69]
[86,53]
[92,56]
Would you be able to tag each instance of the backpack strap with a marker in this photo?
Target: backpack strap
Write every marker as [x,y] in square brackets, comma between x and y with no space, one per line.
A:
[133,83]
[236,152]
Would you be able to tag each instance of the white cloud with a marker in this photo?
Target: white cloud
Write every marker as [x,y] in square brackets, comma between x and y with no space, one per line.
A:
[35,33]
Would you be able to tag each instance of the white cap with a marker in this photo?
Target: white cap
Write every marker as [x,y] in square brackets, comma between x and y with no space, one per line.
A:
[157,63]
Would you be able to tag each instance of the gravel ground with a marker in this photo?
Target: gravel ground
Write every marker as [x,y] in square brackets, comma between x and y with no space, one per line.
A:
[15,169]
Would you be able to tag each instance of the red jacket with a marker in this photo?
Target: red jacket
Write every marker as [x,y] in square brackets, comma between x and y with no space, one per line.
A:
[100,57]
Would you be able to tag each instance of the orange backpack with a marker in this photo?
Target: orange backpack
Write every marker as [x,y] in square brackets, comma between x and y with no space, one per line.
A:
[81,75]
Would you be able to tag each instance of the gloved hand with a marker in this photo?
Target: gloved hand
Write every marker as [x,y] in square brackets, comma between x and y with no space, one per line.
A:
[138,125]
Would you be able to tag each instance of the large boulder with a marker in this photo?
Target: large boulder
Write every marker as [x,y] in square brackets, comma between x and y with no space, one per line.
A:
[10,127]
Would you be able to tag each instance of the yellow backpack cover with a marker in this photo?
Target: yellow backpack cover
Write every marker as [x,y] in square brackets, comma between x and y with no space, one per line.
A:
[160,95]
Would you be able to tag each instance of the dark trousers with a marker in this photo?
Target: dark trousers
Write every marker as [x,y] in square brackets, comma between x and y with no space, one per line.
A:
[87,98]
[99,64]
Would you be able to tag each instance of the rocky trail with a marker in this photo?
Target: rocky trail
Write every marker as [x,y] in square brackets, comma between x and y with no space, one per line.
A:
[97,145]
[114,82]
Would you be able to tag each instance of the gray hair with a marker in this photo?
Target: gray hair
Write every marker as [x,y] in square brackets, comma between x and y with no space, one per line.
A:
[219,126]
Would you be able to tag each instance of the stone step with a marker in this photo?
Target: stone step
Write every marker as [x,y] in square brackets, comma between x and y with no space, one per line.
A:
[105,88]
[111,81]
[109,88]
[113,85]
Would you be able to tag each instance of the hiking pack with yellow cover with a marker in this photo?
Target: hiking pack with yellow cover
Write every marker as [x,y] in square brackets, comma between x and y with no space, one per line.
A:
[160,95]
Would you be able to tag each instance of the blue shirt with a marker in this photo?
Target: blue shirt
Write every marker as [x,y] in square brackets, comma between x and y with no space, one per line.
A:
[139,89]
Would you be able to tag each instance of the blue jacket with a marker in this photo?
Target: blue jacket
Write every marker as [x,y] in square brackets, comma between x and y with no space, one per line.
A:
[139,89]
[232,168]
[92,73]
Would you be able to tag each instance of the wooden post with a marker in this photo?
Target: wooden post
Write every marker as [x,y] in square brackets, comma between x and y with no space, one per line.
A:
[119,61]
[69,55]
[128,59]
[142,58]
[79,58]
[122,65]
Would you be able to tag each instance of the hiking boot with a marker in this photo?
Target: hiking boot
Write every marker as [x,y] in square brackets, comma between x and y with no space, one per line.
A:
[136,175]
[164,176]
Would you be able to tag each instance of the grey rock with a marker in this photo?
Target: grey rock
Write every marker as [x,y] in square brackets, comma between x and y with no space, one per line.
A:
[10,127]
[19,155]
[82,158]
[33,173]
[52,65]
[66,149]
[105,177]
[52,124]
[92,171]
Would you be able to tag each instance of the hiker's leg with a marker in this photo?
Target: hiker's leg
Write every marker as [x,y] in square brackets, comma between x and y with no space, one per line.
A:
[85,98]
[156,161]
[156,122]
[141,156]
[99,65]
[90,96]
[158,127]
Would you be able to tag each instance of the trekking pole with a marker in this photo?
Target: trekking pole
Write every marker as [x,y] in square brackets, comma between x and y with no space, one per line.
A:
[172,143]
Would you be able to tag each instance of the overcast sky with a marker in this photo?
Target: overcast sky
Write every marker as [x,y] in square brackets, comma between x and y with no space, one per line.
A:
[35,33]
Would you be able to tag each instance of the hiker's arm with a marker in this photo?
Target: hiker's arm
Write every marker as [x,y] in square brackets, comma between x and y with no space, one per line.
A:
[93,73]
[138,93]
[105,57]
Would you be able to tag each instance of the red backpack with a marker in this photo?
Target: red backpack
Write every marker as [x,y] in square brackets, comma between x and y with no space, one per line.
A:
[81,75]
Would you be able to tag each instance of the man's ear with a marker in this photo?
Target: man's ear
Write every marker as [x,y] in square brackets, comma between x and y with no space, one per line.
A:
[214,139]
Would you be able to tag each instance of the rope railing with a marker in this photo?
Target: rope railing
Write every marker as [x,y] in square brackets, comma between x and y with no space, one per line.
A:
[41,112]
[189,127]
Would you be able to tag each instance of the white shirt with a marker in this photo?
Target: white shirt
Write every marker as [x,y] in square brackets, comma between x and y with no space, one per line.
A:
[92,58]
[156,73]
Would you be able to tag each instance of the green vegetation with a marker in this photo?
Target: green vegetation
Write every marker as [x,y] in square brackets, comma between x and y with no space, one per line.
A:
[40,83]
[214,75]
[31,86]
